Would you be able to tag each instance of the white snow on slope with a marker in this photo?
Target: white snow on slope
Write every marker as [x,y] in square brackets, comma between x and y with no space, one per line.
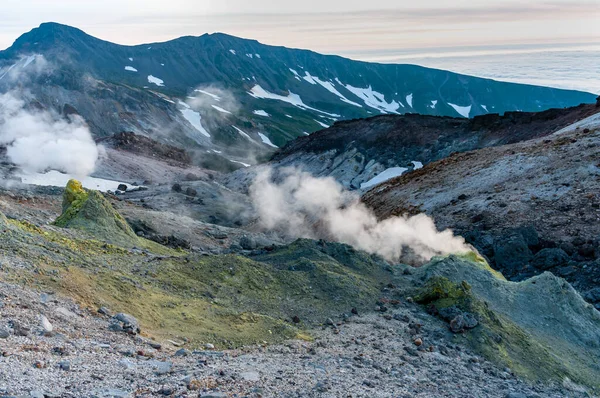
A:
[250,55]
[213,96]
[260,112]
[417,165]
[243,133]
[294,99]
[155,80]
[232,51]
[383,176]
[7,71]
[29,60]
[330,87]
[296,75]
[433,103]
[131,59]
[485,108]
[322,124]
[242,163]
[130,69]
[309,78]
[257,55]
[57,179]
[221,109]
[266,140]
[181,103]
[195,120]
[373,99]
[409,99]
[462,110]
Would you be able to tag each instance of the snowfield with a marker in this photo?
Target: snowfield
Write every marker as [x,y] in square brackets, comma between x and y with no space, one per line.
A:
[213,96]
[156,80]
[130,69]
[260,112]
[462,110]
[373,99]
[194,119]
[55,178]
[221,109]
[385,175]
[294,99]
[266,140]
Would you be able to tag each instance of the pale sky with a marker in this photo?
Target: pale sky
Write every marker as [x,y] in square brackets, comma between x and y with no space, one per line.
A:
[363,29]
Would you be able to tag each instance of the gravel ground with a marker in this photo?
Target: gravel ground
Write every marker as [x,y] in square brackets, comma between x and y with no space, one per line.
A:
[371,355]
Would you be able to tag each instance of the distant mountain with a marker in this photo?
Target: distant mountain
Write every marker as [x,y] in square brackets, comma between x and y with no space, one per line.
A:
[239,98]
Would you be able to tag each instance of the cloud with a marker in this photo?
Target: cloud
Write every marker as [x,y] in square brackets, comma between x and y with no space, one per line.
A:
[296,204]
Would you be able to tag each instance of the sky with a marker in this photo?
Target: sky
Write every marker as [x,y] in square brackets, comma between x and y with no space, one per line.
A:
[375,30]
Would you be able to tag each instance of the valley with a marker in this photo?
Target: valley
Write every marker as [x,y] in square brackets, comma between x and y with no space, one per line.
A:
[215,217]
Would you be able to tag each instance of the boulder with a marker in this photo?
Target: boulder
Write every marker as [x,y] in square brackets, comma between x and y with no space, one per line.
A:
[248,243]
[550,258]
[125,323]
[511,253]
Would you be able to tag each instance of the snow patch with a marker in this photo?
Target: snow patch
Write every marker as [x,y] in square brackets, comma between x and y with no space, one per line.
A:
[294,99]
[260,112]
[156,80]
[409,99]
[57,179]
[485,108]
[250,56]
[130,69]
[221,109]
[266,140]
[232,51]
[131,59]
[433,104]
[373,99]
[462,110]
[322,124]
[29,60]
[214,96]
[417,165]
[243,134]
[330,87]
[194,119]
[242,163]
[384,176]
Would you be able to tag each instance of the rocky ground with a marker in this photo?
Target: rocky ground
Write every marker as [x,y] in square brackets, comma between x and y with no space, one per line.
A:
[400,353]
[528,207]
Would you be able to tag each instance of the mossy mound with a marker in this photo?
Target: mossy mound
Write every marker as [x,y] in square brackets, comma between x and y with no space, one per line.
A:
[91,212]
[540,328]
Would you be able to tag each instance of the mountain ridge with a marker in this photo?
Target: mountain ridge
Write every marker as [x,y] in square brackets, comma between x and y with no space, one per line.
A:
[252,96]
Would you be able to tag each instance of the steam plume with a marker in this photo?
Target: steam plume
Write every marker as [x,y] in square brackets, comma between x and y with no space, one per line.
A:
[300,205]
[38,140]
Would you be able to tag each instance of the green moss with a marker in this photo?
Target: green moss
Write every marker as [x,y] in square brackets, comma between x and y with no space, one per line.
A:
[498,338]
[73,199]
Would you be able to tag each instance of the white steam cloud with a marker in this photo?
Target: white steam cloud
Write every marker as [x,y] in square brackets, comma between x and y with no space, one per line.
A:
[300,205]
[38,140]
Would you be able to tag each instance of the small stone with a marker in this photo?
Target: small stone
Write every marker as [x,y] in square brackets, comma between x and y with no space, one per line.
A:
[418,342]
[39,364]
[4,334]
[182,353]
[65,365]
[515,395]
[154,345]
[209,346]
[122,187]
[46,325]
[104,311]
